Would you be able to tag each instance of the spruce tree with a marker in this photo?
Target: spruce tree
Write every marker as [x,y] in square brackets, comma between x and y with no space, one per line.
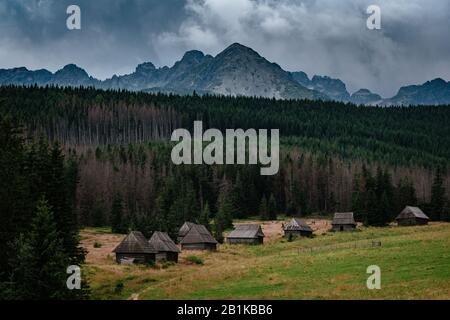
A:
[41,262]
[374,217]
[205,216]
[225,210]
[264,209]
[405,195]
[118,221]
[223,218]
[438,199]
[14,214]
[384,209]
[237,199]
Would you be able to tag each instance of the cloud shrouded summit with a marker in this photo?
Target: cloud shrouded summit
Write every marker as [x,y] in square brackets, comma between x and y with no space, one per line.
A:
[316,36]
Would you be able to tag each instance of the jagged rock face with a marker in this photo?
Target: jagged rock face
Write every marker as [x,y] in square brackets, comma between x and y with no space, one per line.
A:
[238,70]
[435,92]
[335,89]
[23,76]
[302,78]
[71,75]
[364,96]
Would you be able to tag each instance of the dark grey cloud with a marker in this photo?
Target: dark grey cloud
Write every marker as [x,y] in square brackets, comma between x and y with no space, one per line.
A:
[116,35]
[326,37]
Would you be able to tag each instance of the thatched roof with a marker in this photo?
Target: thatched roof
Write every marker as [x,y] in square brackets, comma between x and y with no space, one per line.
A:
[198,234]
[134,242]
[412,212]
[246,231]
[297,224]
[343,218]
[185,229]
[162,242]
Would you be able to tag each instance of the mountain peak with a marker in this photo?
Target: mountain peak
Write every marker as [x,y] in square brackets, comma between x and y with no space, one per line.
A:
[193,56]
[72,69]
[363,91]
[237,48]
[145,67]
[366,97]
[432,92]
[438,81]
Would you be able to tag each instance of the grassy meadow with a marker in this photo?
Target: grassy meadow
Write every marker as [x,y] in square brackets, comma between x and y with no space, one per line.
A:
[414,262]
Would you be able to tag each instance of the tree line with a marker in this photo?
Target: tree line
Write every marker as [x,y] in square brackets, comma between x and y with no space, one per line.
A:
[85,116]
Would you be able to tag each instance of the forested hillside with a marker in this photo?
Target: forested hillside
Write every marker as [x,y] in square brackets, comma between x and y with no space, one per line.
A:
[334,156]
[399,135]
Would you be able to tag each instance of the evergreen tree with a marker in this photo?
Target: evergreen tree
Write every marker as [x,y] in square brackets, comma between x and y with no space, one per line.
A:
[225,210]
[237,199]
[373,198]
[118,221]
[357,203]
[13,190]
[223,219]
[264,209]
[438,199]
[98,216]
[206,216]
[61,196]
[29,172]
[374,217]
[41,262]
[384,209]
[219,226]
[405,195]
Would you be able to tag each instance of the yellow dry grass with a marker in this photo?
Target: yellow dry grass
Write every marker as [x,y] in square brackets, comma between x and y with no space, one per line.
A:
[415,263]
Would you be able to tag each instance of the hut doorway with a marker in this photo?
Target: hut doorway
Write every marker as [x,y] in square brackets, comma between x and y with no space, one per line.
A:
[341,228]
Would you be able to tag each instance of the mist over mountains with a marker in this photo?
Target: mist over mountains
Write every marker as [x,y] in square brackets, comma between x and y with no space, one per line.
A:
[238,71]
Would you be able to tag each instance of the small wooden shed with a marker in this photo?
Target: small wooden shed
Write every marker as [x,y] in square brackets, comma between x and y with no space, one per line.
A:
[411,216]
[184,230]
[166,249]
[198,238]
[135,249]
[246,234]
[297,228]
[343,221]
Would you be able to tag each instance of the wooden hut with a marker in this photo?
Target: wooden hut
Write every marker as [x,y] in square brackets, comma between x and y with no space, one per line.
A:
[166,249]
[198,238]
[411,216]
[135,249]
[343,221]
[184,230]
[246,234]
[297,228]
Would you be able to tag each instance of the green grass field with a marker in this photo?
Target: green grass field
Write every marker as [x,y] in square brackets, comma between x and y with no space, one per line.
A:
[414,262]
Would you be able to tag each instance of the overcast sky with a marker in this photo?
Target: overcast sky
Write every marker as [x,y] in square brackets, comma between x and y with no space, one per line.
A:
[325,37]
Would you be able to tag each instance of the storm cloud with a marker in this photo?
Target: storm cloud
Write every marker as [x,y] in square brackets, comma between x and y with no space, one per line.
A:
[325,37]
